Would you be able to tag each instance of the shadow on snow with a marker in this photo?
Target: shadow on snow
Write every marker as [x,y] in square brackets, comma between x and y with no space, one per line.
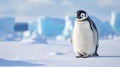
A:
[4,62]
[108,56]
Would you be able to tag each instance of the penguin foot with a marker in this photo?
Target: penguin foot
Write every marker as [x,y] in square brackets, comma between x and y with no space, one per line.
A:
[95,54]
[83,56]
[86,56]
[80,56]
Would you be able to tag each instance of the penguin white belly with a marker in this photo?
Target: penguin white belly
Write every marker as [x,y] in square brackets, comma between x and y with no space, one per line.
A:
[83,41]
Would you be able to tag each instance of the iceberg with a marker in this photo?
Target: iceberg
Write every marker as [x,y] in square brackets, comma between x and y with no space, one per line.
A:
[51,27]
[115,22]
[69,23]
[21,27]
[7,24]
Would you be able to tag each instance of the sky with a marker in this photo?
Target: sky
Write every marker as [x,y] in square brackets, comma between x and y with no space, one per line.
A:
[25,10]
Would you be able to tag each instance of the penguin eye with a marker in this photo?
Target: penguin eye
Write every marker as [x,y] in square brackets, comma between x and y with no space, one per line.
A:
[82,14]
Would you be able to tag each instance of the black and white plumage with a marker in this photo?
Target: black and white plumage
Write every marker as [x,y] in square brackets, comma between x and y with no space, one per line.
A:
[84,36]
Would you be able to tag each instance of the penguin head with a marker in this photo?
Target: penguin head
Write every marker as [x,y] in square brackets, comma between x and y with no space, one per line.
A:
[81,15]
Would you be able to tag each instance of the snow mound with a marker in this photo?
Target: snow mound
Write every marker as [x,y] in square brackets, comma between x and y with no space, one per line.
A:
[56,53]
[35,38]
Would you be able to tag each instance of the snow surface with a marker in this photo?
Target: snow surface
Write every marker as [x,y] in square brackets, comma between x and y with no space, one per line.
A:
[57,54]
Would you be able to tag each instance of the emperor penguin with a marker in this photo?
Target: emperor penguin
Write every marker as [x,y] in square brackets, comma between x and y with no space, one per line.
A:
[84,37]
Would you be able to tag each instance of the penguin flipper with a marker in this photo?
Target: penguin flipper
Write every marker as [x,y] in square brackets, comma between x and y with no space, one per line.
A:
[71,39]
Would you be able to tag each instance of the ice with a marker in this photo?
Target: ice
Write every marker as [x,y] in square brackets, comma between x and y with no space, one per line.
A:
[115,22]
[104,28]
[32,26]
[7,24]
[69,23]
[6,28]
[62,28]
[21,27]
[51,26]
[59,28]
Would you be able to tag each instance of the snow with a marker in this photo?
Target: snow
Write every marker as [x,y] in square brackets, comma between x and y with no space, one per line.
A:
[57,54]
[35,38]
[26,34]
